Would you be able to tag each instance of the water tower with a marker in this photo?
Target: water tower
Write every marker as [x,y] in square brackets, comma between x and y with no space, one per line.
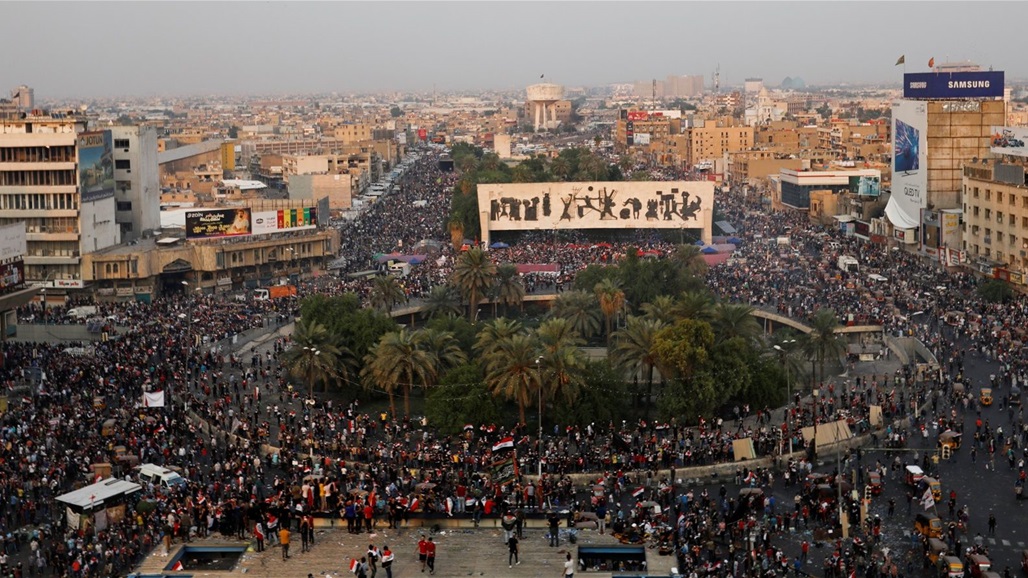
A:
[543,98]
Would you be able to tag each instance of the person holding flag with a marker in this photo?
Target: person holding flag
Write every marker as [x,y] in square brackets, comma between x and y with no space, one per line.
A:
[387,561]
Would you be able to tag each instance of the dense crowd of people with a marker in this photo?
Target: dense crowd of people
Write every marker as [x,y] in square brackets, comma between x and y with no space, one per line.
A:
[342,461]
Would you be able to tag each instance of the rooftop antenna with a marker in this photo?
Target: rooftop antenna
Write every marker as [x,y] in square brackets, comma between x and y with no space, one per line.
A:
[653,90]
[717,79]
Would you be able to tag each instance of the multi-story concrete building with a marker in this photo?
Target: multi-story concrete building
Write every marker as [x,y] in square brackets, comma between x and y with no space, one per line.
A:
[711,142]
[24,97]
[995,207]
[59,180]
[137,191]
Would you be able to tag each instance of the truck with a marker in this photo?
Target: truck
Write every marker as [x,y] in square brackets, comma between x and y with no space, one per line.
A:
[848,264]
[274,292]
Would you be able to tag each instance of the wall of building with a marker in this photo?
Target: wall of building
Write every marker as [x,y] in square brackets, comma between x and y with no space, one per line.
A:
[338,189]
[137,192]
[958,131]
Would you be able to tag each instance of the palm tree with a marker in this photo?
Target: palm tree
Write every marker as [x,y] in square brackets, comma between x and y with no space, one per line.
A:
[456,229]
[580,309]
[660,309]
[788,346]
[823,342]
[560,167]
[444,350]
[442,301]
[561,360]
[495,332]
[611,299]
[698,305]
[735,320]
[394,362]
[386,293]
[522,174]
[473,273]
[634,350]
[509,289]
[691,259]
[467,163]
[511,371]
[314,357]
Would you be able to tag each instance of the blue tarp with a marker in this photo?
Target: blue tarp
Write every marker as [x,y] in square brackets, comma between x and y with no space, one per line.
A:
[708,251]
[499,245]
[699,243]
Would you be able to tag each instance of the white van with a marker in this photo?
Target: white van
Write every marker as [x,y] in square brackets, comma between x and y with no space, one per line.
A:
[82,312]
[159,476]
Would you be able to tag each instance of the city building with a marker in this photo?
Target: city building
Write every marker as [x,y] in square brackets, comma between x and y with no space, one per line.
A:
[59,181]
[995,218]
[818,192]
[137,190]
[279,241]
[710,141]
[24,98]
[943,122]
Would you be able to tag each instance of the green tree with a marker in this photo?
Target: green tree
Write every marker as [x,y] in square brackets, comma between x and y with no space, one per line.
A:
[509,288]
[397,362]
[357,328]
[823,343]
[443,349]
[314,357]
[601,398]
[396,112]
[995,291]
[442,301]
[473,273]
[463,331]
[634,349]
[462,398]
[683,356]
[511,371]
[580,309]
[732,320]
[697,305]
[560,361]
[611,299]
[660,309]
[689,258]
[386,293]
[494,332]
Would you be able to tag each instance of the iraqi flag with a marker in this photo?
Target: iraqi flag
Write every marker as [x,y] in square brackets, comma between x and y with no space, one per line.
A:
[506,443]
[353,565]
[638,492]
[153,399]
[414,504]
[177,566]
[928,500]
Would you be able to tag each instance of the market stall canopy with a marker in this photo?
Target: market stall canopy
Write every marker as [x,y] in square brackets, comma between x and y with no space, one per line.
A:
[551,269]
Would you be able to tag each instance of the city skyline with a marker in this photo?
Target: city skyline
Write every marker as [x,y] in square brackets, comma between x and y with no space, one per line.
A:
[239,48]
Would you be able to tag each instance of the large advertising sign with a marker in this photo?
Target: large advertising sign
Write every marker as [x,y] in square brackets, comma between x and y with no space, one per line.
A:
[12,242]
[866,186]
[940,85]
[909,162]
[265,222]
[12,276]
[597,205]
[96,166]
[642,138]
[1008,140]
[218,223]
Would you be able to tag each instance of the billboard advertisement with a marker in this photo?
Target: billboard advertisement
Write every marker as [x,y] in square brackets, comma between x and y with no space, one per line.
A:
[597,205]
[909,170]
[12,276]
[265,222]
[936,85]
[96,166]
[12,242]
[1008,140]
[866,186]
[218,223]
[642,138]
[638,115]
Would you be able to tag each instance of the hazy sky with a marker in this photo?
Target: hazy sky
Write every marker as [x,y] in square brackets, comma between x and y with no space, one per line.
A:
[184,48]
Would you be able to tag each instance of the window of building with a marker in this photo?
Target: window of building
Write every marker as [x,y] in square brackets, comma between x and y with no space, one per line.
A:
[976,192]
[122,164]
[121,143]
[124,205]
[1012,219]
[988,195]
[976,211]
[999,217]
[988,214]
[999,196]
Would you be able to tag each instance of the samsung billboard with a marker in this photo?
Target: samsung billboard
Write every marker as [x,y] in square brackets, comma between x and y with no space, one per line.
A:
[942,85]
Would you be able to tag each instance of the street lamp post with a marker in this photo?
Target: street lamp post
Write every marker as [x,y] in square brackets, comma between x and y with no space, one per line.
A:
[788,389]
[813,404]
[540,378]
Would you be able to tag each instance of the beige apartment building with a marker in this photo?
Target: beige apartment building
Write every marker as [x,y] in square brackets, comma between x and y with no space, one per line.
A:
[353,133]
[758,166]
[995,208]
[711,142]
